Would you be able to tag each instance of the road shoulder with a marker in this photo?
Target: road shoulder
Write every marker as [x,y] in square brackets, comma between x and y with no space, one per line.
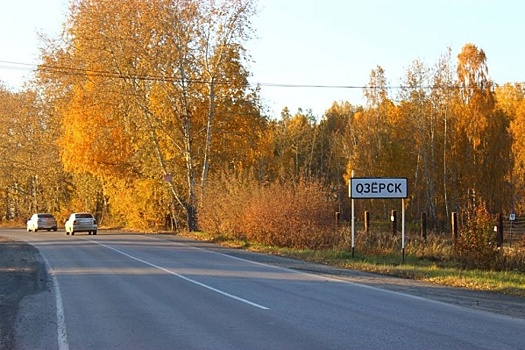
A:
[22,274]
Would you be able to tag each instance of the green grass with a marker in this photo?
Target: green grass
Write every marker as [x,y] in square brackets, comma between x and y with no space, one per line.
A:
[413,267]
[505,282]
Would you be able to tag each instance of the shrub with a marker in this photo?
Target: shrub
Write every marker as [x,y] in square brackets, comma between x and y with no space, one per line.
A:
[291,215]
[223,205]
[476,244]
[295,215]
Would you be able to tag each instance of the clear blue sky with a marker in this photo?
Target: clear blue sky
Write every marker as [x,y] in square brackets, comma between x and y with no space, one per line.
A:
[322,42]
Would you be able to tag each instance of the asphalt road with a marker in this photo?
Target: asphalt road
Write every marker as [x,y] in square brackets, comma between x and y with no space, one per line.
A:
[114,291]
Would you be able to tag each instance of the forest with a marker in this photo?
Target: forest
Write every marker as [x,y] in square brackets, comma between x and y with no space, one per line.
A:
[142,113]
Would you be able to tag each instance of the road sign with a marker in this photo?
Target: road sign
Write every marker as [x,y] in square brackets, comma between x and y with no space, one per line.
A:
[378,187]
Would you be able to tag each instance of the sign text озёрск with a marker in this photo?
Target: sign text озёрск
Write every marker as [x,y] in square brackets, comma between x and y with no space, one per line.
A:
[378,187]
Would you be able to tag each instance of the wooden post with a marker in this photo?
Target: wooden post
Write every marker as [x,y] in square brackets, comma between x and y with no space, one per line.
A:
[424,225]
[499,234]
[367,221]
[454,227]
[393,219]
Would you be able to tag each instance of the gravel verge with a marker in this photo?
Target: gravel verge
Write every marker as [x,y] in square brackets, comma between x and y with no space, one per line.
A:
[21,275]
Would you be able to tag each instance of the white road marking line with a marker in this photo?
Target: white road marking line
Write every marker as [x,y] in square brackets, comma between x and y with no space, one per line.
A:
[61,323]
[183,277]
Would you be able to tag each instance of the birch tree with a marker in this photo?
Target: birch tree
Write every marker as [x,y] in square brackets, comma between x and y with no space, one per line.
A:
[151,81]
[371,129]
[419,130]
[482,141]
[511,100]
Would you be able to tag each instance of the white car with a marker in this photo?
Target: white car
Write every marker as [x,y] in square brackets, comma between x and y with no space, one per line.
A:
[41,221]
[81,222]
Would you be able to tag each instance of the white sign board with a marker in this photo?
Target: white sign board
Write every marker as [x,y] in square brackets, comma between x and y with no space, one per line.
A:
[378,187]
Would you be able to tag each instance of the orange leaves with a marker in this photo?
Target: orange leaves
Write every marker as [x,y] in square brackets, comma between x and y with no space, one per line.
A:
[288,214]
[141,204]
[475,94]
[512,100]
[94,139]
[137,90]
[472,70]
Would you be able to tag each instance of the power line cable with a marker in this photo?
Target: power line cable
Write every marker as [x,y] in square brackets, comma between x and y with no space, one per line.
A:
[108,74]
[10,65]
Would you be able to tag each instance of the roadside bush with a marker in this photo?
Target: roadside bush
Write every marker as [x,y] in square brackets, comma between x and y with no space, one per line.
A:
[291,215]
[476,243]
[224,205]
[295,215]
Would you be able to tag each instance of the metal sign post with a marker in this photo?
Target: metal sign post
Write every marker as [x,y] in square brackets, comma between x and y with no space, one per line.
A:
[353,226]
[379,188]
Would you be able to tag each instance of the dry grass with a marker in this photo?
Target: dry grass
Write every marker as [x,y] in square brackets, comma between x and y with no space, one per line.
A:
[430,267]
